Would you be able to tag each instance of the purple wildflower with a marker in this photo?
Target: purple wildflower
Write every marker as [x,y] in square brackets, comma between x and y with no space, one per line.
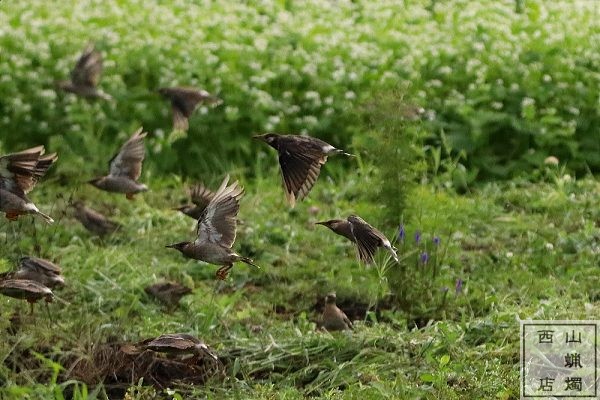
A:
[401,233]
[424,257]
[436,240]
[417,237]
[459,285]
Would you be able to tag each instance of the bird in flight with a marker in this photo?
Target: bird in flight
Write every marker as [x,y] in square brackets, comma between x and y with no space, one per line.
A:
[85,76]
[184,101]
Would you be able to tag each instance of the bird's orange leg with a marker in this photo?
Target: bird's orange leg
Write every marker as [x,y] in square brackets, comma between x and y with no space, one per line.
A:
[223,272]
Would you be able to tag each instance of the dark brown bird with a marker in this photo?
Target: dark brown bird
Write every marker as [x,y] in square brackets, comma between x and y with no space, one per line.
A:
[93,221]
[26,290]
[300,159]
[180,343]
[334,319]
[39,270]
[367,238]
[216,231]
[86,75]
[201,197]
[184,101]
[168,292]
[125,168]
[19,172]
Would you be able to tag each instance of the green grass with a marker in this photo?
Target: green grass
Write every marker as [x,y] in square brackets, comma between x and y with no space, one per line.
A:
[500,236]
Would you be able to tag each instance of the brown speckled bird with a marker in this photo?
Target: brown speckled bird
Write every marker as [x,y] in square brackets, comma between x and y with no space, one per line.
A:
[334,319]
[85,76]
[125,168]
[184,101]
[93,221]
[201,197]
[39,270]
[19,172]
[168,292]
[26,289]
[367,238]
[216,231]
[300,159]
[180,343]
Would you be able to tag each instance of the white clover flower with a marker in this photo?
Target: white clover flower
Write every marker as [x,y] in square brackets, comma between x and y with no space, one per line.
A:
[527,101]
[549,246]
[328,100]
[496,105]
[509,254]
[274,119]
[349,95]
[514,87]
[159,133]
[329,111]
[479,46]
[547,78]
[445,70]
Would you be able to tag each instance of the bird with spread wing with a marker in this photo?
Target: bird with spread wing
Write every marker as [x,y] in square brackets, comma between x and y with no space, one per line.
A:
[125,168]
[19,172]
[216,231]
[300,159]
[366,237]
[85,76]
[184,101]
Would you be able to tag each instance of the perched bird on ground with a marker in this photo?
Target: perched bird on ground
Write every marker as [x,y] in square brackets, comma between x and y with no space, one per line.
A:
[86,75]
[216,231]
[39,270]
[19,172]
[367,238]
[168,292]
[184,101]
[300,158]
[93,221]
[125,168]
[27,290]
[200,196]
[180,343]
[334,319]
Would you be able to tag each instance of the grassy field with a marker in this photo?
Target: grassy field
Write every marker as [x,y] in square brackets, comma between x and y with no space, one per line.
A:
[524,250]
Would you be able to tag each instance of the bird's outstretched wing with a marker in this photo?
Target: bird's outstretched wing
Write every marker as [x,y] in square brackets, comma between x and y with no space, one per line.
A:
[184,101]
[128,162]
[88,69]
[300,168]
[367,238]
[19,172]
[217,224]
[201,196]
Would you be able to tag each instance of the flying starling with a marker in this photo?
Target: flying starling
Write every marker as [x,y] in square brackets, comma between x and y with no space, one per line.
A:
[367,238]
[300,158]
[180,343]
[125,168]
[184,101]
[26,290]
[216,231]
[93,221]
[19,172]
[39,270]
[334,319]
[200,196]
[86,75]
[168,292]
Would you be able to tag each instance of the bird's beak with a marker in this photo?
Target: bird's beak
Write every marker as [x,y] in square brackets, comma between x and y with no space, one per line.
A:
[171,246]
[321,223]
[258,137]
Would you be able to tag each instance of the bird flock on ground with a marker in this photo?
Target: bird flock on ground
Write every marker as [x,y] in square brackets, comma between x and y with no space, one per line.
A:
[300,160]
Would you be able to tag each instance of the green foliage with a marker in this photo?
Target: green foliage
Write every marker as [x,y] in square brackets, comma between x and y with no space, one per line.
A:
[508,88]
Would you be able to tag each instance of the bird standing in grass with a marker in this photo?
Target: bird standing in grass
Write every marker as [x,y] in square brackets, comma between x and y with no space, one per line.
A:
[300,159]
[26,289]
[334,319]
[85,76]
[125,168]
[19,172]
[180,343]
[39,270]
[168,292]
[367,238]
[201,197]
[184,101]
[216,231]
[93,221]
